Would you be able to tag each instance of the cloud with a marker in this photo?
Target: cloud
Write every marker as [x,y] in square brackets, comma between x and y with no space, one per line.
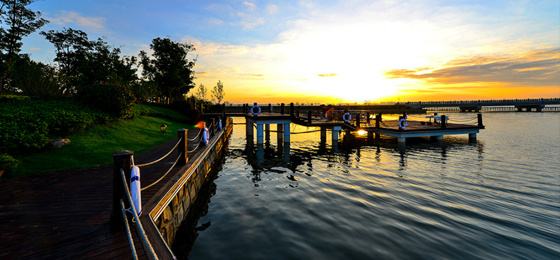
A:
[271,9]
[215,21]
[74,18]
[250,23]
[535,68]
[249,5]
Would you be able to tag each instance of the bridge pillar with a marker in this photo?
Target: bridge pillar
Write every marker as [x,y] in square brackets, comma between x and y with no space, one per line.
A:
[267,133]
[249,130]
[286,132]
[323,135]
[260,134]
[472,137]
[335,134]
[279,134]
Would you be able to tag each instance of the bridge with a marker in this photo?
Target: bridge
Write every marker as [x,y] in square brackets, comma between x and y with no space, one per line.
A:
[537,104]
[420,107]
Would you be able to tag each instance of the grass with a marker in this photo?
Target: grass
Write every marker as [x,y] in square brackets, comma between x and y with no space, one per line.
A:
[94,147]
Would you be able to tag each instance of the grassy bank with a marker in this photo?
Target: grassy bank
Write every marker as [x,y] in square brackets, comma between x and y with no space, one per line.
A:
[94,146]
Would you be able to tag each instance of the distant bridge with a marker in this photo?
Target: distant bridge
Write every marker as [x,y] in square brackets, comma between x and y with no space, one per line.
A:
[537,104]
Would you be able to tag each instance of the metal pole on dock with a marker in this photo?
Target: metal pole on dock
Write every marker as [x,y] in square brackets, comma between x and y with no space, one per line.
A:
[121,160]
[182,149]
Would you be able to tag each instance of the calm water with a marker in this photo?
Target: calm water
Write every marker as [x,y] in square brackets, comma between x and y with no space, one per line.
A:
[498,198]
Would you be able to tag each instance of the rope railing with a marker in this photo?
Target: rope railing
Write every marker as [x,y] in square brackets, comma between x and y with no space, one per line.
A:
[128,233]
[163,176]
[161,158]
[197,135]
[136,220]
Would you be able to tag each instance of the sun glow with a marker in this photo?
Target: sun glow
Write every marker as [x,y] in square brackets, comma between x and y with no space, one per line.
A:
[345,57]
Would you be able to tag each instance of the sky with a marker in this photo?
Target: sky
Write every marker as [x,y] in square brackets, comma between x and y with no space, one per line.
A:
[337,51]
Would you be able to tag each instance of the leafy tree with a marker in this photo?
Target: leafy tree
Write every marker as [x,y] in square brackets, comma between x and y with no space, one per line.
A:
[35,78]
[218,92]
[201,92]
[19,21]
[169,67]
[82,62]
[16,22]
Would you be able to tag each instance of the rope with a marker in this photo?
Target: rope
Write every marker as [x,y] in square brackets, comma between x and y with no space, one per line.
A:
[190,151]
[163,176]
[197,135]
[151,254]
[127,229]
[161,158]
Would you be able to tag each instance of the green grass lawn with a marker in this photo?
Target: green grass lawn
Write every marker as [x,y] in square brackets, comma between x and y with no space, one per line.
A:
[94,147]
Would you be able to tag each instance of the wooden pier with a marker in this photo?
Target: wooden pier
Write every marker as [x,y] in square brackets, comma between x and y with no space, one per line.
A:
[78,214]
[367,122]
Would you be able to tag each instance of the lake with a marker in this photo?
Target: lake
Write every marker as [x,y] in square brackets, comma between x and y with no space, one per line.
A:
[494,199]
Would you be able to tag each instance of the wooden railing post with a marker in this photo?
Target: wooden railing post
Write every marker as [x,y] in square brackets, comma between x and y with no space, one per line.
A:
[282,108]
[182,149]
[479,117]
[367,118]
[297,113]
[121,160]
[309,116]
[358,120]
[443,121]
[269,108]
[377,120]
[213,127]
[292,109]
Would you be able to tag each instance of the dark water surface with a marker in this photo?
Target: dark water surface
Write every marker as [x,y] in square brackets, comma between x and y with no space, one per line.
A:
[496,199]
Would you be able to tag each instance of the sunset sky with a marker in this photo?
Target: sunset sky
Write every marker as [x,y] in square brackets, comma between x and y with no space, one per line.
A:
[338,51]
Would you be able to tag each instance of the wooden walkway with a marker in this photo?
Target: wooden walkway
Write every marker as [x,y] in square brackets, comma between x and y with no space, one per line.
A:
[66,214]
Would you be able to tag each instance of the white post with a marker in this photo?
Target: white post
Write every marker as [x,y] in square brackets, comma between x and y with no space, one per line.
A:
[260,133]
[287,132]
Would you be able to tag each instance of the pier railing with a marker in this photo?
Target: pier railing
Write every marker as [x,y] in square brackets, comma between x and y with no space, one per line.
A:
[123,202]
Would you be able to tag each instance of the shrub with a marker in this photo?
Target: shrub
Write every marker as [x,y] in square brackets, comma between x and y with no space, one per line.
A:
[8,163]
[27,124]
[115,99]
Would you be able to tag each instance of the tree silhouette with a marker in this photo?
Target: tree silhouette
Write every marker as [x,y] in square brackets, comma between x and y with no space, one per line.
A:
[20,21]
[16,22]
[218,92]
[169,68]
[201,93]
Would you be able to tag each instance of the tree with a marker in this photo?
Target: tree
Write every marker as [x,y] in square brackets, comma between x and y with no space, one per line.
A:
[19,21]
[201,93]
[16,22]
[169,68]
[82,62]
[218,92]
